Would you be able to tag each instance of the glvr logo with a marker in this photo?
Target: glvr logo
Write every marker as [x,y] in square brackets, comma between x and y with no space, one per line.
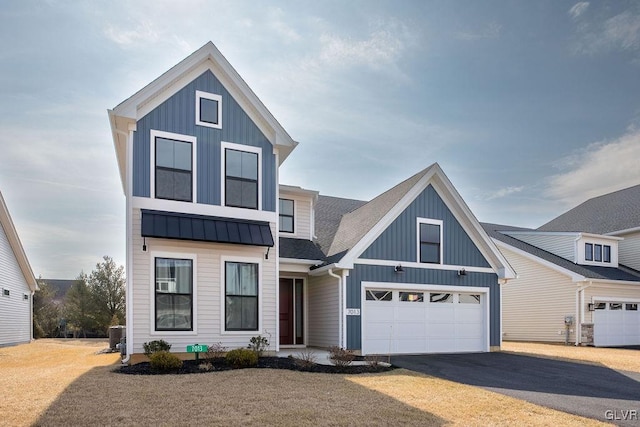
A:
[621,415]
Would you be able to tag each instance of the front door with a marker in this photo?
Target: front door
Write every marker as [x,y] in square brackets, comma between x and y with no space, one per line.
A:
[291,312]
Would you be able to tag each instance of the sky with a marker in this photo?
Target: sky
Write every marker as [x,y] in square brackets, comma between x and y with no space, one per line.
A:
[530,107]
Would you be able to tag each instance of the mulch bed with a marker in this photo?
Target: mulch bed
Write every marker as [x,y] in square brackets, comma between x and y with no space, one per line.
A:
[220,364]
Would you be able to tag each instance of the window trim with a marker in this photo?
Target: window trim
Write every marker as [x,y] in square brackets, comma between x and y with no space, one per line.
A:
[213,97]
[152,164]
[430,221]
[223,171]
[293,216]
[223,294]
[152,294]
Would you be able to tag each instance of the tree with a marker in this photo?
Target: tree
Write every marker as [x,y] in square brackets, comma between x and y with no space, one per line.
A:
[46,314]
[107,285]
[79,307]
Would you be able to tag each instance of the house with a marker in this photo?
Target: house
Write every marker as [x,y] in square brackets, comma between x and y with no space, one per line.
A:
[17,287]
[218,250]
[578,278]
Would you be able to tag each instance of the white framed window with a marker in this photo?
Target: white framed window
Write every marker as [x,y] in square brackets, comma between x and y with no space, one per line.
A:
[173,166]
[429,240]
[241,176]
[286,216]
[208,109]
[241,287]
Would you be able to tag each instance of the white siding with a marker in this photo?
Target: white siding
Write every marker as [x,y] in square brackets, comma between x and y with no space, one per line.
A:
[15,311]
[561,245]
[629,251]
[323,310]
[534,304]
[624,293]
[208,308]
[301,216]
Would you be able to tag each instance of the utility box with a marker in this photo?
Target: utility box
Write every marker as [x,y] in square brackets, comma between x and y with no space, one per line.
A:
[115,335]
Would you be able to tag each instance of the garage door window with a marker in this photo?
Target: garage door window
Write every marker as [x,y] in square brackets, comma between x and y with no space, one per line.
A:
[600,306]
[632,307]
[469,299]
[615,306]
[441,298]
[412,296]
[379,295]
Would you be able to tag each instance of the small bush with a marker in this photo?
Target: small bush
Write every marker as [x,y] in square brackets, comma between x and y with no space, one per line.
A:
[155,346]
[341,357]
[165,361]
[215,351]
[374,361]
[242,358]
[305,359]
[258,344]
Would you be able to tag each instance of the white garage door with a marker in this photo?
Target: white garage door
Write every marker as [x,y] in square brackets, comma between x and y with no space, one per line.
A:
[424,321]
[616,324]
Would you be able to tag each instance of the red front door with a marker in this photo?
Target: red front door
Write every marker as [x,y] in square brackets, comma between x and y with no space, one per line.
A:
[286,312]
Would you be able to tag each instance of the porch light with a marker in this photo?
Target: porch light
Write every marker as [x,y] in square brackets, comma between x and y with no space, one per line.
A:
[398,269]
[462,272]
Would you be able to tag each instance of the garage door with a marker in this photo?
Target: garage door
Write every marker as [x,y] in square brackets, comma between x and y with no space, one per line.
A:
[616,324]
[407,321]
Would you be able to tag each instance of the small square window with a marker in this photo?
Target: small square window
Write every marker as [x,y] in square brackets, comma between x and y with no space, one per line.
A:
[615,306]
[600,306]
[631,307]
[6,292]
[588,252]
[208,109]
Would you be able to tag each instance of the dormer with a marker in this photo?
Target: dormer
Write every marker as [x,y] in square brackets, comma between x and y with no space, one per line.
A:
[296,207]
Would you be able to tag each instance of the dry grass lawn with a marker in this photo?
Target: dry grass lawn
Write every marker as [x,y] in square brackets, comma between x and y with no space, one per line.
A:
[54,382]
[614,358]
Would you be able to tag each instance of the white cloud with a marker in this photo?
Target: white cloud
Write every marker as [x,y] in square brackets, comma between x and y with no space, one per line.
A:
[578,9]
[381,48]
[144,31]
[503,192]
[279,26]
[619,33]
[490,31]
[601,168]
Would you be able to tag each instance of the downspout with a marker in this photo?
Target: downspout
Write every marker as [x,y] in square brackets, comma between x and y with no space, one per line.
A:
[580,312]
[341,310]
[31,317]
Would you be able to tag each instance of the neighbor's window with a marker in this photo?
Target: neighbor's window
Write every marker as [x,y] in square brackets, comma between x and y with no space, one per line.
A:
[208,110]
[241,292]
[173,173]
[441,298]
[429,243]
[174,294]
[588,252]
[606,253]
[241,181]
[286,215]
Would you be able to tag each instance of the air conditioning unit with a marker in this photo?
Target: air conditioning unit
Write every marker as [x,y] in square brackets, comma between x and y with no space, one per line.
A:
[166,285]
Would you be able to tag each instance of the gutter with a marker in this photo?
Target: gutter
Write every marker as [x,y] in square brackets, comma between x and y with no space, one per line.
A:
[580,312]
[341,307]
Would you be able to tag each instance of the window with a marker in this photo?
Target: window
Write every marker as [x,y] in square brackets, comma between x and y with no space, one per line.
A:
[631,307]
[174,294]
[241,180]
[241,292]
[469,299]
[441,298]
[378,295]
[597,253]
[588,252]
[208,110]
[6,292]
[286,215]
[600,306]
[412,296]
[615,306]
[173,169]
[606,253]
[429,241]
[25,297]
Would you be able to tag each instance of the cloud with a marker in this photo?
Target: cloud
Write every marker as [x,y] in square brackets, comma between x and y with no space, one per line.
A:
[276,23]
[490,31]
[503,192]
[144,32]
[620,33]
[599,169]
[578,9]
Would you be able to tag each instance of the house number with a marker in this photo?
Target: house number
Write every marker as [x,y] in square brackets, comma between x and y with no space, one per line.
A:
[353,312]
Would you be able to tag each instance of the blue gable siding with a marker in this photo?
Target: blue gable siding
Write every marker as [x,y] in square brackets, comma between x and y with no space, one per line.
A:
[399,241]
[177,115]
[413,276]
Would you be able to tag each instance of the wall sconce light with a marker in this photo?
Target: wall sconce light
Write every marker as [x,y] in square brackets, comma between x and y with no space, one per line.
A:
[266,256]
[144,244]
[591,307]
[462,272]
[398,269]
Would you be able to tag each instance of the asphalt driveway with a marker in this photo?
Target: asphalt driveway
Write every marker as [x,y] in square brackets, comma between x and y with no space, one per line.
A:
[587,390]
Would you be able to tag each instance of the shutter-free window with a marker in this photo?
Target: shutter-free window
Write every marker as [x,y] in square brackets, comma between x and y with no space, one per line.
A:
[241,181]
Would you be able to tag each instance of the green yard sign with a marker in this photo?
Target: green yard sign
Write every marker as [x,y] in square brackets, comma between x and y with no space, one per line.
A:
[197,348]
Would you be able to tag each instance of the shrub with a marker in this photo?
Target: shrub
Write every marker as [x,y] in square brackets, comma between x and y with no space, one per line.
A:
[305,359]
[341,357]
[258,344]
[242,358]
[373,360]
[165,361]
[155,346]
[215,351]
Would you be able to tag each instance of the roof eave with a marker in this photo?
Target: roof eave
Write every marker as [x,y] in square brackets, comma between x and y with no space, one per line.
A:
[16,246]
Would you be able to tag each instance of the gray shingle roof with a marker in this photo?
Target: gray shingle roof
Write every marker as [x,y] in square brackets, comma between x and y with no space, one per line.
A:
[611,212]
[299,249]
[591,272]
[329,213]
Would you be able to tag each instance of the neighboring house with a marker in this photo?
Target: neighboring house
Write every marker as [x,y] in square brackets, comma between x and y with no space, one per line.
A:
[219,251]
[17,286]
[582,268]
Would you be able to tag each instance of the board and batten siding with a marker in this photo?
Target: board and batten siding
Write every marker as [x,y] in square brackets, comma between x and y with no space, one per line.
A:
[177,115]
[399,241]
[15,310]
[209,292]
[301,216]
[414,277]
[534,305]
[562,245]
[323,311]
[629,250]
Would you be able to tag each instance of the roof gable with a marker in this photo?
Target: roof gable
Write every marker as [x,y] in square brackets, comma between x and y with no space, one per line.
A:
[16,245]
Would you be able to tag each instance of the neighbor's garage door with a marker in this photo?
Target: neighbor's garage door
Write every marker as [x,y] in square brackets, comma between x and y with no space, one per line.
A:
[411,321]
[616,324]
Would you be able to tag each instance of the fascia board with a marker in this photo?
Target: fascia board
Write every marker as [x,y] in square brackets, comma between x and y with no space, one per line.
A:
[120,148]
[16,245]
[621,232]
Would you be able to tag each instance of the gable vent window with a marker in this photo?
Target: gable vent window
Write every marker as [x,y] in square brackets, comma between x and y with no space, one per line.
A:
[430,241]
[173,169]
[286,215]
[208,110]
